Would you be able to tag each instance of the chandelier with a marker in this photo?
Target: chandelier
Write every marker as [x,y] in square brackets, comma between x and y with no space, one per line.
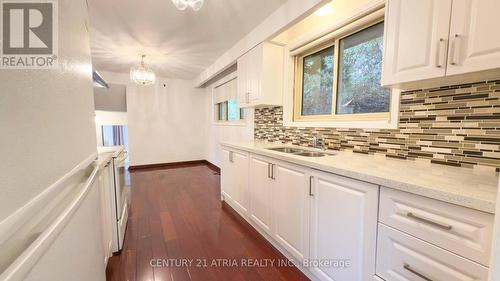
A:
[141,74]
[183,4]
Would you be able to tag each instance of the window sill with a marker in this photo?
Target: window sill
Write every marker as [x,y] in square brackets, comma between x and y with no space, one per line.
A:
[234,123]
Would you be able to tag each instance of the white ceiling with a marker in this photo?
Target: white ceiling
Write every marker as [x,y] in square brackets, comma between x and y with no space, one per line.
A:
[178,44]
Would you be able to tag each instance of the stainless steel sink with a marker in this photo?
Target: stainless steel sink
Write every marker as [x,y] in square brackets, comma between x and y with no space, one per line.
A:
[311,154]
[287,149]
[299,152]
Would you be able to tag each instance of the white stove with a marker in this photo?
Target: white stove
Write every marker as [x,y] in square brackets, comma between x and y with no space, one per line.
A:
[120,196]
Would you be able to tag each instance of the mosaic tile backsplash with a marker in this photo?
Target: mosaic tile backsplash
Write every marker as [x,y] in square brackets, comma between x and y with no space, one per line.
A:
[455,125]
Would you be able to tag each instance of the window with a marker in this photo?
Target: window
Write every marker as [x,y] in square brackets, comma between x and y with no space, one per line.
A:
[317,82]
[341,80]
[226,108]
[228,111]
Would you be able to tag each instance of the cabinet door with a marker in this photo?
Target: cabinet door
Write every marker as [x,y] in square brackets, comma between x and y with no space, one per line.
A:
[475,41]
[226,175]
[343,227]
[416,39]
[255,72]
[106,186]
[239,170]
[260,189]
[243,99]
[401,257]
[291,208]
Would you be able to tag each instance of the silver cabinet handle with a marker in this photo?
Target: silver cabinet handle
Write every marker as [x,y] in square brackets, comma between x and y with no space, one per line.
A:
[428,221]
[440,52]
[272,172]
[310,186]
[268,170]
[408,267]
[456,50]
[231,156]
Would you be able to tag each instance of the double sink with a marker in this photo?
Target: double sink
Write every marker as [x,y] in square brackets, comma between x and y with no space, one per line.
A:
[300,152]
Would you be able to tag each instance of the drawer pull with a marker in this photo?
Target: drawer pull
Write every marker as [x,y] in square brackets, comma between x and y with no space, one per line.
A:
[427,221]
[408,267]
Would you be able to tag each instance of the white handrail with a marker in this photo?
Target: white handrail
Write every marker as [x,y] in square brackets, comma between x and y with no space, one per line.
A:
[12,223]
[21,265]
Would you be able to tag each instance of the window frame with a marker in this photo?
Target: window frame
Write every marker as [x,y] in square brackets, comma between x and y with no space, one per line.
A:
[217,105]
[298,78]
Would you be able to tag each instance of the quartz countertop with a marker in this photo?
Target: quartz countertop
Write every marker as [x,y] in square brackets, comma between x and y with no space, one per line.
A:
[474,188]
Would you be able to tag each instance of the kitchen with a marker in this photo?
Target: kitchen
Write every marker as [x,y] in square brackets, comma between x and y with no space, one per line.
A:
[307,140]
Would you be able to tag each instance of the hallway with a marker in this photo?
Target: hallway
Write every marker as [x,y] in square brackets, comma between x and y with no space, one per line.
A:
[179,230]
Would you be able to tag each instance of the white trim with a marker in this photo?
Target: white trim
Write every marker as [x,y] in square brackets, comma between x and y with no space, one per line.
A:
[361,18]
[22,265]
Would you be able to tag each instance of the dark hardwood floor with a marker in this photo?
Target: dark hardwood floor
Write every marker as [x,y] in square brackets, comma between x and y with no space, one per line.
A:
[177,216]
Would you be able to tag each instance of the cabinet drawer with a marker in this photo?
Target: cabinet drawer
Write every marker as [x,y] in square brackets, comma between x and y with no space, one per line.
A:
[401,257]
[460,230]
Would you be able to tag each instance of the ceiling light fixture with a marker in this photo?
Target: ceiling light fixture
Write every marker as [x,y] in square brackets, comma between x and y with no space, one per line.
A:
[183,4]
[141,74]
[324,11]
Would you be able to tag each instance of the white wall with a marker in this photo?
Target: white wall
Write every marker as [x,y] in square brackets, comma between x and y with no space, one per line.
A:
[47,116]
[165,124]
[113,98]
[217,133]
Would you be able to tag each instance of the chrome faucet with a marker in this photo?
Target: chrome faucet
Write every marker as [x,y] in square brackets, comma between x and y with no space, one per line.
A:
[315,142]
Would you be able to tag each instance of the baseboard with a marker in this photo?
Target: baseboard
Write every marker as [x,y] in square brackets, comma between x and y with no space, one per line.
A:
[170,165]
[173,165]
[212,166]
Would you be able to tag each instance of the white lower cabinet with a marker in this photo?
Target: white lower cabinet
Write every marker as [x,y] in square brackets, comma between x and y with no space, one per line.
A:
[401,257]
[462,231]
[291,208]
[330,224]
[234,179]
[260,190]
[343,227]
[226,175]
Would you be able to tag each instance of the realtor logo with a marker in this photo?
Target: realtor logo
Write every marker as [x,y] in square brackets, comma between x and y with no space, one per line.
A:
[28,34]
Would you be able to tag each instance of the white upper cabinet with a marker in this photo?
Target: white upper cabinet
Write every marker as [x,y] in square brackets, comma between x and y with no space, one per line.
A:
[260,76]
[440,42]
[416,38]
[474,36]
